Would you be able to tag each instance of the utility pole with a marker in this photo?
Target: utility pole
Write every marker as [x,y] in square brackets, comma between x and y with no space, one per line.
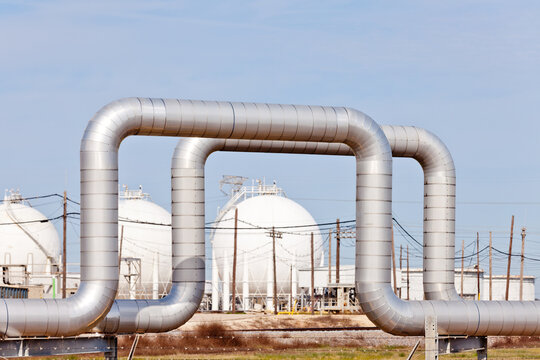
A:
[234,261]
[338,245]
[490,266]
[312,278]
[275,234]
[408,287]
[462,263]
[330,256]
[523,234]
[275,272]
[509,258]
[400,266]
[478,264]
[64,249]
[394,261]
[290,287]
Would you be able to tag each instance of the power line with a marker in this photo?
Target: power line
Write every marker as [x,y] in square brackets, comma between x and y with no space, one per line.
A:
[472,255]
[421,202]
[401,227]
[41,220]
[142,222]
[406,232]
[515,255]
[33,197]
[277,227]
[40,197]
[240,228]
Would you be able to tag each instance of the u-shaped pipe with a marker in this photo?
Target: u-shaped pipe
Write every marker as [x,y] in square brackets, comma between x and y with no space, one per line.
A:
[439,205]
[171,117]
[187,174]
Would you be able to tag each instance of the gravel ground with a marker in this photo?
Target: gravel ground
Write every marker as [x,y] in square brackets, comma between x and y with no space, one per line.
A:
[270,321]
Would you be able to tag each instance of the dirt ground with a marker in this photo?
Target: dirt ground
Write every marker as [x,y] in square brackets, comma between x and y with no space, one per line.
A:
[270,321]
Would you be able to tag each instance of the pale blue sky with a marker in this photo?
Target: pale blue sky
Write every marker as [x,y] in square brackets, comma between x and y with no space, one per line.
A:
[466,70]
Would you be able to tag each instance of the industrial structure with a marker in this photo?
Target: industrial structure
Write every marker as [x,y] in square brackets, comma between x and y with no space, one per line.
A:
[31,256]
[30,250]
[471,278]
[408,287]
[259,209]
[94,306]
[144,230]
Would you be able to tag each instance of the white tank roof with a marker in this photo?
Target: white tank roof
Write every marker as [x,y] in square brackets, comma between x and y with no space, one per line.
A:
[148,237]
[259,214]
[26,235]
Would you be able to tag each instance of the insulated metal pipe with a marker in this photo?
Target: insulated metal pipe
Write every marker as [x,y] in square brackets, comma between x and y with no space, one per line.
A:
[480,318]
[439,205]
[187,174]
[171,117]
[140,116]
[405,141]
[439,190]
[373,249]
[188,235]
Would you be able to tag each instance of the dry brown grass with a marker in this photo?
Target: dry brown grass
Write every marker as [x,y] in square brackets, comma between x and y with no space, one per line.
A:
[207,338]
[211,338]
[516,342]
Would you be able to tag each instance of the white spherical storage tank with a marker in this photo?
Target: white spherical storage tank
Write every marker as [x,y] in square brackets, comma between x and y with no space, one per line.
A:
[256,217]
[27,238]
[145,270]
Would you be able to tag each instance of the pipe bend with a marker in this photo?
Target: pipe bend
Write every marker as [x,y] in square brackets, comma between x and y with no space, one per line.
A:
[187,170]
[366,138]
[173,310]
[439,205]
[112,124]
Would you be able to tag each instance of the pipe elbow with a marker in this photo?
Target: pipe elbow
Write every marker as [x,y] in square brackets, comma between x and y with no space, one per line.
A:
[436,158]
[111,124]
[191,153]
[366,138]
[154,316]
[185,300]
[390,313]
